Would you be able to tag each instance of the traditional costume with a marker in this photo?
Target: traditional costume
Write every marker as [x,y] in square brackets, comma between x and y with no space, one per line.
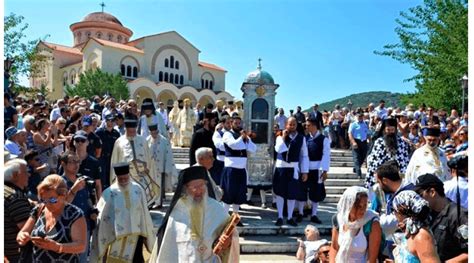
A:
[218,166]
[124,223]
[190,229]
[186,121]
[234,175]
[162,155]
[292,159]
[427,159]
[135,151]
[319,153]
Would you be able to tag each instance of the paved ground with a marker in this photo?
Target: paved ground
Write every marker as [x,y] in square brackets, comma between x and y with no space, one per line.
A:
[261,258]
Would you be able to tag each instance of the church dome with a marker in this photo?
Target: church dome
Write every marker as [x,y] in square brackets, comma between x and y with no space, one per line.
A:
[259,76]
[101,17]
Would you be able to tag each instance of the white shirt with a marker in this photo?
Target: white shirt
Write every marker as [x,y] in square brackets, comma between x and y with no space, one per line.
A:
[301,166]
[55,114]
[237,144]
[382,113]
[450,189]
[281,121]
[217,140]
[164,115]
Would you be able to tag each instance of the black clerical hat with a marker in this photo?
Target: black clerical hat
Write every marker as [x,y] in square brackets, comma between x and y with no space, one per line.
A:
[432,132]
[153,127]
[193,173]
[121,169]
[131,121]
[390,122]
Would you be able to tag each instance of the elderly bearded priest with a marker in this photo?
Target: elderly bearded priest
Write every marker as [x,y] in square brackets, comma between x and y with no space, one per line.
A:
[124,224]
[193,223]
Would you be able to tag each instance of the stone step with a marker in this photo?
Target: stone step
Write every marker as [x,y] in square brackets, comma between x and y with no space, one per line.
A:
[268,257]
[344,182]
[271,244]
[339,190]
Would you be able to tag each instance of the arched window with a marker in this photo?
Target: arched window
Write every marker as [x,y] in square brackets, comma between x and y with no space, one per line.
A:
[181,79]
[135,72]
[171,62]
[166,63]
[110,37]
[88,34]
[129,71]
[122,69]
[160,76]
[65,79]
[171,77]
[210,84]
[166,76]
[260,109]
[176,65]
[99,35]
[207,84]
[176,79]
[202,84]
[119,38]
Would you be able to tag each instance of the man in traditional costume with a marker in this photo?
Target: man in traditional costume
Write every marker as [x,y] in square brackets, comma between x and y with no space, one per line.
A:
[319,154]
[225,124]
[173,121]
[150,117]
[133,149]
[124,223]
[292,159]
[186,122]
[231,110]
[239,109]
[162,155]
[193,223]
[388,147]
[234,176]
[428,159]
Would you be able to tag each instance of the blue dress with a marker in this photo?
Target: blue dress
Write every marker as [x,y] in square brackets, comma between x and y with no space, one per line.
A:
[404,255]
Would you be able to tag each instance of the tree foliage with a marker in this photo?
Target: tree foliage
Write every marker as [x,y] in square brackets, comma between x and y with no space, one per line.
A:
[363,100]
[433,41]
[26,59]
[96,82]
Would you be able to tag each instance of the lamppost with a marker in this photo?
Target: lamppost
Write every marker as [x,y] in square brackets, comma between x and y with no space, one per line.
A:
[349,104]
[464,82]
[7,66]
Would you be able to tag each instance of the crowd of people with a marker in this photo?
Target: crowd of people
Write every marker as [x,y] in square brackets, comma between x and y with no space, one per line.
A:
[81,176]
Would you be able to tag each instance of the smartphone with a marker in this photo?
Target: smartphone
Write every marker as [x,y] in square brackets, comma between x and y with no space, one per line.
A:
[35,238]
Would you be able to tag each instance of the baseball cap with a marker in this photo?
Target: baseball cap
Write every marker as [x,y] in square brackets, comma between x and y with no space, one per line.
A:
[80,134]
[87,121]
[12,131]
[110,117]
[426,181]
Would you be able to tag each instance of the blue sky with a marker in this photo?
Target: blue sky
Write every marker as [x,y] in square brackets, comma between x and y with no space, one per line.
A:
[315,50]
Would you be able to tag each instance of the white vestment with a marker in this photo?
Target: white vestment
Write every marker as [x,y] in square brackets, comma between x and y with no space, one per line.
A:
[162,155]
[179,246]
[153,119]
[173,121]
[186,121]
[423,162]
[123,218]
[122,152]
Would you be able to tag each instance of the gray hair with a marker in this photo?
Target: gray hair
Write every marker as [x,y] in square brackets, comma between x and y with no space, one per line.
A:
[202,152]
[28,119]
[12,167]
[313,228]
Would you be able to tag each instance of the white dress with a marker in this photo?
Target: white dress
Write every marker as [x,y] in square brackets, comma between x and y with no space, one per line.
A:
[358,250]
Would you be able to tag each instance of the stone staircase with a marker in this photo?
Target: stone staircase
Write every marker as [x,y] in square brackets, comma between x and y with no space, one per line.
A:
[259,234]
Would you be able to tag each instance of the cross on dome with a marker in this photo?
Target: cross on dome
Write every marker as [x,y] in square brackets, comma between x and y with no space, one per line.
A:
[102,5]
[259,63]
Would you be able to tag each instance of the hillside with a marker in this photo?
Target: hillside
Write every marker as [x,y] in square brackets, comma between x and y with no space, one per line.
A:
[363,100]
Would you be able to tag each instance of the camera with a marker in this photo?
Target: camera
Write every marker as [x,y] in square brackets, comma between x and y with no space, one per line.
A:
[90,183]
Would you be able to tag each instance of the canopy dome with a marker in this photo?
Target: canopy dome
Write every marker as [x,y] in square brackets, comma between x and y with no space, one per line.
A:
[259,76]
[101,17]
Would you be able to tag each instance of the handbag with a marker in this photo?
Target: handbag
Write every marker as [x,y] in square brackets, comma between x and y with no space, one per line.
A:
[26,252]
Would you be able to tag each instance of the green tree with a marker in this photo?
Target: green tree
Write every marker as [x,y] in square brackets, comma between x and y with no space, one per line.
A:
[26,60]
[433,41]
[96,82]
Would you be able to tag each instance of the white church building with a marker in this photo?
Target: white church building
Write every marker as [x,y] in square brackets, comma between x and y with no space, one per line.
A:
[165,66]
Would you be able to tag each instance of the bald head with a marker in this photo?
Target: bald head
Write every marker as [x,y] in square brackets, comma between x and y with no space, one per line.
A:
[291,124]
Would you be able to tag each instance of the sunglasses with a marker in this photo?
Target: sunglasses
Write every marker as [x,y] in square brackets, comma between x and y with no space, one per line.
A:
[52,200]
[80,140]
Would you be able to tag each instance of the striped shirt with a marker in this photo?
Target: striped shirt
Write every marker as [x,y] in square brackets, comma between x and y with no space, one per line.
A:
[17,209]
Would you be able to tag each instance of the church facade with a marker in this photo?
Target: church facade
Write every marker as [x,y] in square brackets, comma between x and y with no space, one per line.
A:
[164,66]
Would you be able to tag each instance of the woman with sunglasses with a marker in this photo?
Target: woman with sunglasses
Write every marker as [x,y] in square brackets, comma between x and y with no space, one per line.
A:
[417,244]
[44,139]
[56,228]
